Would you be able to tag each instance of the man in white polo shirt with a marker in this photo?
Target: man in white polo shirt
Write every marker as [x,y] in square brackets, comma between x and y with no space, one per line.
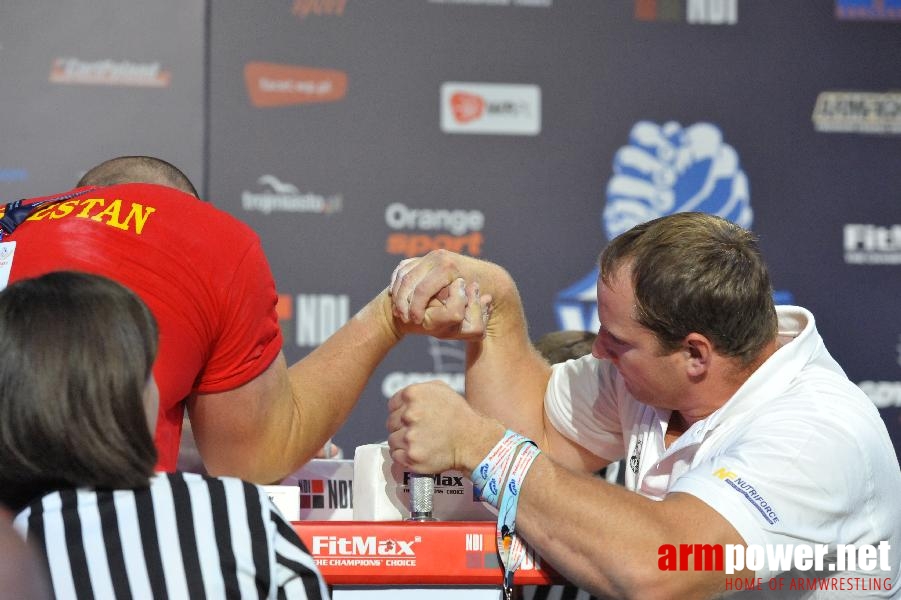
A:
[757,463]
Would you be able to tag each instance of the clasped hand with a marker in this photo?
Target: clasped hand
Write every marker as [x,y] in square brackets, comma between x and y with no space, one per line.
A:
[430,295]
[431,428]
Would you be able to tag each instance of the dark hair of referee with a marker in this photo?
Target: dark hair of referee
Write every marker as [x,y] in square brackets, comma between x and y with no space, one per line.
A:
[76,353]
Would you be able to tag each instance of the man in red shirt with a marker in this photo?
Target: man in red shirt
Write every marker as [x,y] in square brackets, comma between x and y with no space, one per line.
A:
[205,277]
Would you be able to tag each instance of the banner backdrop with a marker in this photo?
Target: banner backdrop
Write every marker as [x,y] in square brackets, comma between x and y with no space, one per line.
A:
[352,134]
[86,80]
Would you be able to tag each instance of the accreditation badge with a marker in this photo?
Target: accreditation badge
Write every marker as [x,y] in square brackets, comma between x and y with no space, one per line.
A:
[7,250]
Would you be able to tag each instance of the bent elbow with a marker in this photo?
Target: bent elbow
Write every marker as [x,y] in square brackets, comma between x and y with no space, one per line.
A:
[662,585]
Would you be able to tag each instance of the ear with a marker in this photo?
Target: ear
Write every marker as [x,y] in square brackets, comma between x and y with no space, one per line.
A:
[698,351]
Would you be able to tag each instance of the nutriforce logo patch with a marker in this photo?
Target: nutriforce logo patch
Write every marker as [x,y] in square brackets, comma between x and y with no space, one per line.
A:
[270,85]
[490,108]
[747,490]
[124,73]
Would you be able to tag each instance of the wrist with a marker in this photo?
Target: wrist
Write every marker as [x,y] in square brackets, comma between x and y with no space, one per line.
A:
[480,445]
[385,315]
[499,476]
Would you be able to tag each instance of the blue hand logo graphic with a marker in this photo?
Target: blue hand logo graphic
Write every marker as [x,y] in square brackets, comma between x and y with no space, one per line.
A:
[668,169]
[663,170]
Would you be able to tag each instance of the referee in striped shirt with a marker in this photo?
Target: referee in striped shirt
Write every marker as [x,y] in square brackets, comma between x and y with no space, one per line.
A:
[77,404]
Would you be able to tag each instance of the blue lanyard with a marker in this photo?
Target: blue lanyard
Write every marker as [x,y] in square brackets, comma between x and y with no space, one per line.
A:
[16,213]
[497,481]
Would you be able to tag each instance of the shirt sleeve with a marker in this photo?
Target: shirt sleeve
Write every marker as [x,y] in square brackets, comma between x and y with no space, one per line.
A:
[785,481]
[296,574]
[250,336]
[581,403]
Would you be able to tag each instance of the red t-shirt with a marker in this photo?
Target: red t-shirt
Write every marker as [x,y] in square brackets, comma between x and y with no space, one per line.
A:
[201,272]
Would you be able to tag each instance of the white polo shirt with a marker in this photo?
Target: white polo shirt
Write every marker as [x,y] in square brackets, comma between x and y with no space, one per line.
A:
[798,455]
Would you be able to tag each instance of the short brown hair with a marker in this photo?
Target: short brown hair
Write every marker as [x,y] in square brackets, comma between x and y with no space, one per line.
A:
[137,169]
[76,353]
[695,272]
[560,346]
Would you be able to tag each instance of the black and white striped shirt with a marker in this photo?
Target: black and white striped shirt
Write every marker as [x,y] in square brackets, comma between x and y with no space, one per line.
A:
[186,536]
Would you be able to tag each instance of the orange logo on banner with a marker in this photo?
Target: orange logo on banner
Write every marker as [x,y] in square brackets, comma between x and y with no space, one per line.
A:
[284,308]
[467,107]
[646,10]
[302,8]
[283,85]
